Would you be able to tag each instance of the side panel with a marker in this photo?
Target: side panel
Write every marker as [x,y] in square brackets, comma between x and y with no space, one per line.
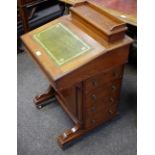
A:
[69,96]
[73,101]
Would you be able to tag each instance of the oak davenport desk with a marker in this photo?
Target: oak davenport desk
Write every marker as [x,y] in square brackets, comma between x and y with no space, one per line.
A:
[83,56]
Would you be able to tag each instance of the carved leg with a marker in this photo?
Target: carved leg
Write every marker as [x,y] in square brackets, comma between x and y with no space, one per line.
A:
[24,18]
[70,135]
[40,99]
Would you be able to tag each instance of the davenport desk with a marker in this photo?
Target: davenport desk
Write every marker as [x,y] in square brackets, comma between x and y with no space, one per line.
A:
[83,56]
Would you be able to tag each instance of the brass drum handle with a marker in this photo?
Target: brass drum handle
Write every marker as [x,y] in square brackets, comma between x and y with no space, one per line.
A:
[93,109]
[94,82]
[115,74]
[111,99]
[113,87]
[94,97]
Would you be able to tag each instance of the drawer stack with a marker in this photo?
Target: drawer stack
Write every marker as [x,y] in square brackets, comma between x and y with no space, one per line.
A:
[101,95]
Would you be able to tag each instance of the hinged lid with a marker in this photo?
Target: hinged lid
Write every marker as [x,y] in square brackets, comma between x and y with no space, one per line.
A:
[107,25]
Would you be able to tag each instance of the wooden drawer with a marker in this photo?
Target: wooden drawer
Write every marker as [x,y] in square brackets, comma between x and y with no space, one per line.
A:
[102,78]
[100,114]
[108,92]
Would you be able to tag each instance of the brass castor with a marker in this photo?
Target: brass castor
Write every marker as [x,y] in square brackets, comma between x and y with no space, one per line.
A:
[39,106]
[43,97]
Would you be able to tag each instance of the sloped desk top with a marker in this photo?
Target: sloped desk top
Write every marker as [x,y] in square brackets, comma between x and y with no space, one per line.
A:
[61,44]
[53,67]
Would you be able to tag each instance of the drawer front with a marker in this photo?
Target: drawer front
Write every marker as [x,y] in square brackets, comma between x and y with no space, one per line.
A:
[108,92]
[100,114]
[100,79]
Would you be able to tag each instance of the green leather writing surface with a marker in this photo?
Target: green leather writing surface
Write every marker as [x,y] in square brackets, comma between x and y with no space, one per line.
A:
[61,43]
